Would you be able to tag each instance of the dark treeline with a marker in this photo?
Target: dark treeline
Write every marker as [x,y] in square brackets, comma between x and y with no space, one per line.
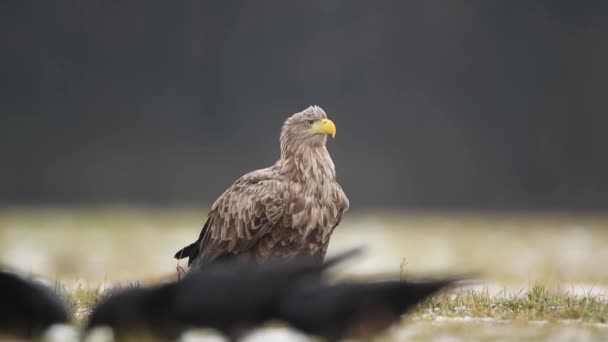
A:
[476,104]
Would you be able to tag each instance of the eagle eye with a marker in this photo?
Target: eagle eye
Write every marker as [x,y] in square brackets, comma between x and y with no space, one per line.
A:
[310,122]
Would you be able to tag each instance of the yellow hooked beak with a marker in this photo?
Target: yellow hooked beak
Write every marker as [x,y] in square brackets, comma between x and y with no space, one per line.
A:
[324,126]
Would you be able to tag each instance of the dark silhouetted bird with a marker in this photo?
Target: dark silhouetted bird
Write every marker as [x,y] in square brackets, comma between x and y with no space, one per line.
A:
[227,296]
[232,298]
[353,309]
[28,308]
[135,311]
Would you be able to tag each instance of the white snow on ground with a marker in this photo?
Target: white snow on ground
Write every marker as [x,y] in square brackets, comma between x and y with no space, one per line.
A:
[439,329]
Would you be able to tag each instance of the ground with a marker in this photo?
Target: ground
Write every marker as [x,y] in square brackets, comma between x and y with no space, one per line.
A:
[542,276]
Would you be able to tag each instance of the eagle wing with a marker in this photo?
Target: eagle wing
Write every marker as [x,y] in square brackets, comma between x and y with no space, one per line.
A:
[340,206]
[342,203]
[246,211]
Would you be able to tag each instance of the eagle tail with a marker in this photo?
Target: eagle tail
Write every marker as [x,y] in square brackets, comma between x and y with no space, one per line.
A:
[186,251]
[192,249]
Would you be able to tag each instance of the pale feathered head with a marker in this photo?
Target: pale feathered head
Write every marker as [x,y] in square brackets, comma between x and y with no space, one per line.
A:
[308,128]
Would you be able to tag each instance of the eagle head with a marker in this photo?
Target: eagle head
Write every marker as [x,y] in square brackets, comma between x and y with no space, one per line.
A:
[308,128]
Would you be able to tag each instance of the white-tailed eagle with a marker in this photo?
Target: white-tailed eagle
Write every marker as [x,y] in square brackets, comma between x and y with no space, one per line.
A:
[286,210]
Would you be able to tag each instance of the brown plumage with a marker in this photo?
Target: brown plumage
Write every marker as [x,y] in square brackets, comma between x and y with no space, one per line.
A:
[288,209]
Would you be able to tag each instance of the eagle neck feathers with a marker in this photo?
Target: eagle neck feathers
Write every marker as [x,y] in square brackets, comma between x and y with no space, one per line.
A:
[308,165]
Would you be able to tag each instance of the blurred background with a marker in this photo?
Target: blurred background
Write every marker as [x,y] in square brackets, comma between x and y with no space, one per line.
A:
[461,127]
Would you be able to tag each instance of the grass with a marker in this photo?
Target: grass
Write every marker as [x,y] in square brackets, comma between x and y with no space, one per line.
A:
[537,304]
[466,315]
[81,301]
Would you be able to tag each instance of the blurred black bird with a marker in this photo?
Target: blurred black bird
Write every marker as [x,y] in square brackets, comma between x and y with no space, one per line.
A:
[135,312]
[232,298]
[28,308]
[353,309]
[226,296]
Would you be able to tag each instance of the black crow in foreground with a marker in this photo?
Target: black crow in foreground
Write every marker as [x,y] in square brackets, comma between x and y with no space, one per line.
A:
[135,312]
[353,309]
[226,296]
[232,297]
[27,308]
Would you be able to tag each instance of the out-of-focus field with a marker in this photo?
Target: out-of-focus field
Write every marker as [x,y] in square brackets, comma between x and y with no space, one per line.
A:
[117,244]
[568,254]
